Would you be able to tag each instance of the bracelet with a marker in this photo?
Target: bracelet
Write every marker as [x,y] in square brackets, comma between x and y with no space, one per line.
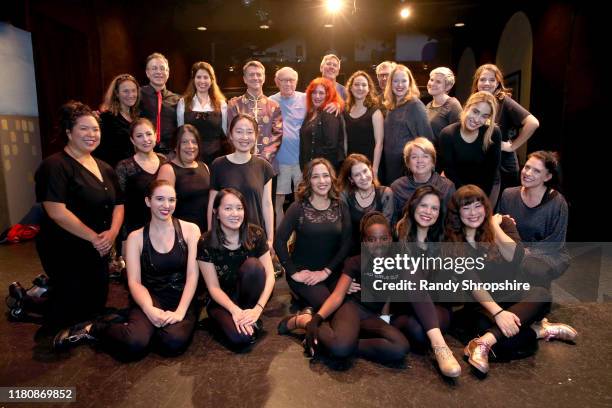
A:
[498,313]
[262,308]
[325,270]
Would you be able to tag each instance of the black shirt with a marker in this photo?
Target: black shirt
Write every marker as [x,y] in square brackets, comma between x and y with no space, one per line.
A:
[148,109]
[322,136]
[360,133]
[192,186]
[227,261]
[249,178]
[115,143]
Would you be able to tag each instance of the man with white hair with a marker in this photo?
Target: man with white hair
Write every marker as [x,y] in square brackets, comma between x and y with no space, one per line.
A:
[330,68]
[383,70]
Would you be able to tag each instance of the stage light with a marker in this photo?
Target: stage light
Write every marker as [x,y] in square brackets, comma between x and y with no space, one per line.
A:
[264,26]
[459,24]
[405,13]
[201,28]
[328,26]
[333,6]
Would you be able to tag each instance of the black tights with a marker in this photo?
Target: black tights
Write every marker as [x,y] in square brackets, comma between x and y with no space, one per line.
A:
[131,340]
[414,320]
[356,329]
[533,307]
[314,295]
[250,285]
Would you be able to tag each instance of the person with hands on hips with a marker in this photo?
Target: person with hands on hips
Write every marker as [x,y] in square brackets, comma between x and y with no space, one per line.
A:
[234,258]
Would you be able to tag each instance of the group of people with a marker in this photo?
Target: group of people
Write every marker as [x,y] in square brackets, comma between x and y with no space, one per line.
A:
[184,183]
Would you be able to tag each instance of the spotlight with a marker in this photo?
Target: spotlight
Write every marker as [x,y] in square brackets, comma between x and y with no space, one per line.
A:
[201,28]
[405,13]
[264,26]
[459,24]
[328,26]
[333,6]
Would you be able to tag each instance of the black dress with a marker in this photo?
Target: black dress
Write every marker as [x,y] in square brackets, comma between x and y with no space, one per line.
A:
[134,181]
[115,143]
[192,187]
[213,141]
[360,133]
[79,275]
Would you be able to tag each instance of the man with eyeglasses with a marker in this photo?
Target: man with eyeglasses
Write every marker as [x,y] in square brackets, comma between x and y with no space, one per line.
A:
[383,70]
[157,103]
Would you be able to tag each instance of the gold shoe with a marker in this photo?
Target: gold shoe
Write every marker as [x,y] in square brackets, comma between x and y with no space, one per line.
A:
[559,331]
[447,362]
[477,352]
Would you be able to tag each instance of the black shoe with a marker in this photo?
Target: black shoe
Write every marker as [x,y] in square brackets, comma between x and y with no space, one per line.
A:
[283,325]
[72,336]
[42,281]
[14,300]
[278,268]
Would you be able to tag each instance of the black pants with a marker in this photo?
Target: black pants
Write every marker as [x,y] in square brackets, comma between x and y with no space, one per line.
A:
[250,285]
[314,295]
[533,307]
[133,339]
[355,329]
[414,320]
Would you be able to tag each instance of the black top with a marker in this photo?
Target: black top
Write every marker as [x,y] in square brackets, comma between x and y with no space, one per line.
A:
[134,181]
[62,179]
[192,186]
[383,202]
[323,237]
[352,269]
[115,143]
[442,116]
[148,109]
[322,137]
[404,187]
[227,261]
[466,163]
[213,141]
[249,178]
[510,117]
[360,133]
[165,274]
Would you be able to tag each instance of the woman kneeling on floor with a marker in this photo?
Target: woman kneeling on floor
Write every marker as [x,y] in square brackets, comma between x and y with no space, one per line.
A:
[234,258]
[162,278]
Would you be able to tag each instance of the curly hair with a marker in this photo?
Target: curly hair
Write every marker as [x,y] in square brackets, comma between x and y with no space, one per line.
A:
[371,98]
[69,114]
[331,96]
[344,181]
[304,189]
[111,98]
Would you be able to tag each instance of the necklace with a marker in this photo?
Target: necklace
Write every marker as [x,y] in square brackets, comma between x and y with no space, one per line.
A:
[368,195]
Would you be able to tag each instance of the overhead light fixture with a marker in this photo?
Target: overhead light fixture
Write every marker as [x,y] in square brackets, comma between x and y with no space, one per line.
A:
[459,24]
[264,26]
[201,28]
[328,26]
[405,13]
[333,6]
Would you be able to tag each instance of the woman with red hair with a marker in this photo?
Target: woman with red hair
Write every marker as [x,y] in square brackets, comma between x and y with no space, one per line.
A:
[322,133]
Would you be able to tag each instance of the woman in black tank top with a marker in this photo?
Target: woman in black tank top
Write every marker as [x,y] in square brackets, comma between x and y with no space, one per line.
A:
[162,278]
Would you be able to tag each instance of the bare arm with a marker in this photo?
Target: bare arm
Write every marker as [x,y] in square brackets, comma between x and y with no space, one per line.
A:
[166,172]
[268,212]
[379,135]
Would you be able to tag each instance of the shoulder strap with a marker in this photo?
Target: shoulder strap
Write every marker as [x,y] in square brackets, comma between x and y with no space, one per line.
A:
[179,233]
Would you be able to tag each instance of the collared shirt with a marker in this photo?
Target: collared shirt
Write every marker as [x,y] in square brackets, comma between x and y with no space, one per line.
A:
[196,106]
[268,115]
[293,110]
[148,109]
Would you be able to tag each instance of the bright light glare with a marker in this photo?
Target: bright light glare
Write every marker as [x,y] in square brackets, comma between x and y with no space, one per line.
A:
[333,6]
[405,13]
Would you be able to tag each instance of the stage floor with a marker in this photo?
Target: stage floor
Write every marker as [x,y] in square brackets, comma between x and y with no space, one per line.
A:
[275,372]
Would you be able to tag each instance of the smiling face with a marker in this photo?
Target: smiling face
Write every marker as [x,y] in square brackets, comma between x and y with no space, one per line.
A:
[320,181]
[202,81]
[330,68]
[143,138]
[84,137]
[360,88]
[254,78]
[230,212]
[162,202]
[377,237]
[427,211]
[400,84]
[318,96]
[243,136]
[487,81]
[420,163]
[472,215]
[534,173]
[158,72]
[436,85]
[188,148]
[127,93]
[286,82]
[361,176]
[477,115]
[382,75]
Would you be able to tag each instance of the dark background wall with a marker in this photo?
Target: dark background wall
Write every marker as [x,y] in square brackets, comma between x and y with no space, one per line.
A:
[80,46]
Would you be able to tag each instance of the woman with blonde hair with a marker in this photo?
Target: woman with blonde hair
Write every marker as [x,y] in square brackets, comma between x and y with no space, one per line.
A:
[203,106]
[443,109]
[406,119]
[470,149]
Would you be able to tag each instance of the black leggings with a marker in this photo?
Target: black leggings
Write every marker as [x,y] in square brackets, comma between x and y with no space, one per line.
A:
[353,328]
[132,340]
[414,320]
[250,285]
[314,295]
[533,307]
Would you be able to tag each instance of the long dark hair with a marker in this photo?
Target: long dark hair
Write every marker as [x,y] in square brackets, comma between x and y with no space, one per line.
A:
[406,227]
[177,138]
[216,237]
[454,228]
[344,182]
[304,189]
